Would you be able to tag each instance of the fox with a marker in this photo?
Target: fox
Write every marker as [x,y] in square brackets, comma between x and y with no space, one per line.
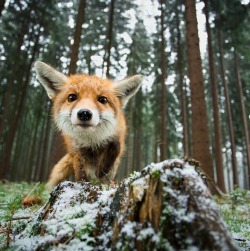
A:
[88,112]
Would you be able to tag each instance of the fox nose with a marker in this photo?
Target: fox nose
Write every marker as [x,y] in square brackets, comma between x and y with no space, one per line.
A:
[84,115]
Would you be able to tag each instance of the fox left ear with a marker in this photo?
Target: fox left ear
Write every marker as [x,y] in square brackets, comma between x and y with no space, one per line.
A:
[51,79]
[128,87]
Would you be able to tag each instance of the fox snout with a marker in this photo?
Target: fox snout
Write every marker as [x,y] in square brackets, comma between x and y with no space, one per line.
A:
[84,115]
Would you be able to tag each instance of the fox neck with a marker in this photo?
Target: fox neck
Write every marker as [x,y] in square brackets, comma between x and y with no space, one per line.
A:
[90,140]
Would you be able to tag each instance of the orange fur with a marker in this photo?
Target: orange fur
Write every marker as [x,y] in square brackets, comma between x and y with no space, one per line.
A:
[88,111]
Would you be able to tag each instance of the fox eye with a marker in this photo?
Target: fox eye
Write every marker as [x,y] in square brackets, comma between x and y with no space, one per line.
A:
[72,97]
[103,100]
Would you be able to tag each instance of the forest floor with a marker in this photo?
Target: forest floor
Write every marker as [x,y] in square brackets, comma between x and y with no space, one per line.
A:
[234,208]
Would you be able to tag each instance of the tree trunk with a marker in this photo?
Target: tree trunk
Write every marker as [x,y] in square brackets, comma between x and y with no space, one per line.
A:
[42,176]
[77,37]
[5,163]
[200,135]
[139,130]
[6,100]
[165,207]
[2,2]
[57,149]
[41,140]
[44,152]
[243,112]
[182,87]
[29,169]
[110,36]
[136,135]
[229,111]
[129,146]
[19,154]
[163,87]
[216,116]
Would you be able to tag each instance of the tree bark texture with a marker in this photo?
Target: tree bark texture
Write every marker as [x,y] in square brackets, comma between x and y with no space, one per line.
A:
[243,112]
[165,207]
[137,132]
[200,136]
[110,36]
[29,168]
[130,146]
[229,111]
[163,88]
[216,116]
[46,152]
[58,149]
[77,37]
[182,87]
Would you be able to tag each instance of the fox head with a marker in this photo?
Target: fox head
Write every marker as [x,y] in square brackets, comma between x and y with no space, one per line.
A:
[87,108]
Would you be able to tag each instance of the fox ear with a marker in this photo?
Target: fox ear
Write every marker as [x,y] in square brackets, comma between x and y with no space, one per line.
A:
[128,87]
[51,79]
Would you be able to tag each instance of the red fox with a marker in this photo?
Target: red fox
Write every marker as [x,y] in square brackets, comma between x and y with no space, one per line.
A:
[88,112]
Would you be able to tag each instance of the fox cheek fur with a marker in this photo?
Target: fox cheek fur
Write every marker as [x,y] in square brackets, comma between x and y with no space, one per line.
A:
[89,113]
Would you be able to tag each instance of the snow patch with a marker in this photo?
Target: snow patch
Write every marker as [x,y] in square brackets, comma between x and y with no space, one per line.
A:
[77,209]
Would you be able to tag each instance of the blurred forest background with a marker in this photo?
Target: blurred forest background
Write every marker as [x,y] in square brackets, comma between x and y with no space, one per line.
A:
[190,104]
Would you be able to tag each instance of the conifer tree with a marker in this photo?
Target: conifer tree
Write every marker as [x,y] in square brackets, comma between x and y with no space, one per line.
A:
[200,137]
[163,144]
[77,37]
[216,118]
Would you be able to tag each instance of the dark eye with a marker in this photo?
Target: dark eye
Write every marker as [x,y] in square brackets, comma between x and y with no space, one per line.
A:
[72,97]
[103,100]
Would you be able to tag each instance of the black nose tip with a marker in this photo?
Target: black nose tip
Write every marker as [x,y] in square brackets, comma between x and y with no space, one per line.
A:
[84,115]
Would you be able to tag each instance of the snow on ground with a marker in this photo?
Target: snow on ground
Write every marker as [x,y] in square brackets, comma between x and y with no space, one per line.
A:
[71,218]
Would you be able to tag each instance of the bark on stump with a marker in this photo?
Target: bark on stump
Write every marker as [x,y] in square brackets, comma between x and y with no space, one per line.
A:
[166,206]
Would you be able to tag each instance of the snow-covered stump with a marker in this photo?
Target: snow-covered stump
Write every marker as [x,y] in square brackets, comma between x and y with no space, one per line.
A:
[167,206]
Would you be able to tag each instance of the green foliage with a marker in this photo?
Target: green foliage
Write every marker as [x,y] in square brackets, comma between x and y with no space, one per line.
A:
[12,206]
[155,174]
[235,209]
[238,197]
[95,181]
[13,215]
[86,230]
[134,175]
[40,189]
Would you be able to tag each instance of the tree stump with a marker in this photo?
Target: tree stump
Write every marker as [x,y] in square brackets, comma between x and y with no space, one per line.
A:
[166,206]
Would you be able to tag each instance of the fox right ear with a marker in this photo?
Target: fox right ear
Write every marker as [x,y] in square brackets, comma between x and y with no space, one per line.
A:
[51,79]
[127,87]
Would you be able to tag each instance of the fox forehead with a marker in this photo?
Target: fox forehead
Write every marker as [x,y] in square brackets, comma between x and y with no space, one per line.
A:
[86,84]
